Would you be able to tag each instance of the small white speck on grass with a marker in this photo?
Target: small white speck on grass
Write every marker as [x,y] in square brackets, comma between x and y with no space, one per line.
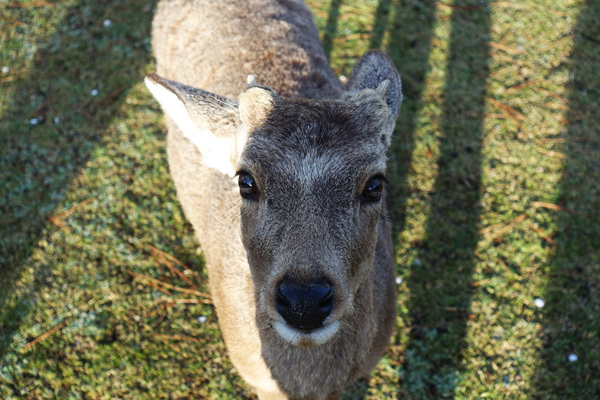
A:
[573,357]
[398,280]
[5,70]
[343,79]
[34,121]
[202,319]
[107,23]
[520,48]
[56,120]
[94,92]
[539,303]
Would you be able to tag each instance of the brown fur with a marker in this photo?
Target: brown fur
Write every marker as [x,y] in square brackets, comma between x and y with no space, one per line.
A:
[311,145]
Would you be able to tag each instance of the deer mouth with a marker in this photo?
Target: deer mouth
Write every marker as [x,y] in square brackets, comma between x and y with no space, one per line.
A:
[306,338]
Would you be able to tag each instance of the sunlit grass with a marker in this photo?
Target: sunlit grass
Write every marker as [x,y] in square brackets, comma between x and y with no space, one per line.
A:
[494,199]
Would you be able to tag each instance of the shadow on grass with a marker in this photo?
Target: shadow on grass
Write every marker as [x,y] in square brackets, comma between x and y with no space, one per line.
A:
[40,161]
[570,318]
[409,47]
[382,15]
[441,277]
[331,26]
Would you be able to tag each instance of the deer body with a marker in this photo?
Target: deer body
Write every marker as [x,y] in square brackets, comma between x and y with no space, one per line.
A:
[297,247]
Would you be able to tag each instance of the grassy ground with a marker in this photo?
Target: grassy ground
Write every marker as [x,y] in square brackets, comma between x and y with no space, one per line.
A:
[495,202]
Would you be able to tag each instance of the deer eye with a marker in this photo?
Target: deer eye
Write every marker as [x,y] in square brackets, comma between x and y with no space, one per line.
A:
[373,189]
[247,184]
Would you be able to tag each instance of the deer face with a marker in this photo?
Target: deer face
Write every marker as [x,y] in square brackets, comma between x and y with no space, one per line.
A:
[311,180]
[311,176]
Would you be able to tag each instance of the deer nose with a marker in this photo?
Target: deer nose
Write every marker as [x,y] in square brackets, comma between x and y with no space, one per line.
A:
[304,306]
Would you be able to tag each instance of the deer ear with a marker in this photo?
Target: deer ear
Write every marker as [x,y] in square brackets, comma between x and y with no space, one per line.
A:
[209,121]
[376,71]
[256,103]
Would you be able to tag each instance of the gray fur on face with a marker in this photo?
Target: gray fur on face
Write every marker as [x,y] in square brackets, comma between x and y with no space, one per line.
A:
[311,160]
[310,148]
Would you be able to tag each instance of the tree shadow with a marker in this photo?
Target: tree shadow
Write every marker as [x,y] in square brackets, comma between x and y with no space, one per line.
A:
[409,48]
[331,26]
[382,15]
[570,317]
[441,276]
[53,122]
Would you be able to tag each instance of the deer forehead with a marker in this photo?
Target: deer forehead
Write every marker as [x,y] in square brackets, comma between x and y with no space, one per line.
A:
[316,133]
[326,123]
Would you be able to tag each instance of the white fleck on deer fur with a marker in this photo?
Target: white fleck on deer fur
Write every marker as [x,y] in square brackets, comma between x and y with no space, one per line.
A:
[312,236]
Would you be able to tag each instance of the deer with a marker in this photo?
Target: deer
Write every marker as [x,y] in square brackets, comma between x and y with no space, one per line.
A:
[280,168]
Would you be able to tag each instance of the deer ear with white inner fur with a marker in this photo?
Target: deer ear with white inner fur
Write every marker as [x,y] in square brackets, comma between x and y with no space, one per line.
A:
[209,121]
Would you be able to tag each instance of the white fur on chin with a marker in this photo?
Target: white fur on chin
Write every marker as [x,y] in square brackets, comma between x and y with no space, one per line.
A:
[306,339]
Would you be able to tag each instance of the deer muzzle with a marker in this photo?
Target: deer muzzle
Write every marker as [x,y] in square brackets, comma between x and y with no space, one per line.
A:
[304,306]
